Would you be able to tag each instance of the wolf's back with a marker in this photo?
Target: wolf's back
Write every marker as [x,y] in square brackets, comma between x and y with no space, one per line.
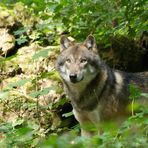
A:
[139,79]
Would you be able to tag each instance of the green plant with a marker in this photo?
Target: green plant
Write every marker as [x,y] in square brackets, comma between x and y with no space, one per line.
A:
[101,18]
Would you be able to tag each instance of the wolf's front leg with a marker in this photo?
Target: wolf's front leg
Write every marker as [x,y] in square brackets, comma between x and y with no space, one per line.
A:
[88,129]
[87,133]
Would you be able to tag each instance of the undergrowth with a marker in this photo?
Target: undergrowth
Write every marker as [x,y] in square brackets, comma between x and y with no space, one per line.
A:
[31,123]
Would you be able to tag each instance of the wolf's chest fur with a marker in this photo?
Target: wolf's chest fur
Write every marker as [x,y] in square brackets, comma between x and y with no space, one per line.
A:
[96,91]
[106,93]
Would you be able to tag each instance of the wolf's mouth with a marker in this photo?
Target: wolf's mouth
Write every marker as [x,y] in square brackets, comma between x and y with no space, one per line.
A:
[75,80]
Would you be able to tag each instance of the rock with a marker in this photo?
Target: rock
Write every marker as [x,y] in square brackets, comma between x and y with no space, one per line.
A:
[7,42]
[6,17]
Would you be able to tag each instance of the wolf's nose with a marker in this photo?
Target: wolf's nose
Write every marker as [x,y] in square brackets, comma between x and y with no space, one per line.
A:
[73,78]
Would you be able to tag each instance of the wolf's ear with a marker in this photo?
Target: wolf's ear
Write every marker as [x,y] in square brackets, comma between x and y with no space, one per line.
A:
[65,42]
[90,43]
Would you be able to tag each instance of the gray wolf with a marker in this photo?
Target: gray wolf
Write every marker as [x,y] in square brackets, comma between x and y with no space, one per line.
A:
[97,92]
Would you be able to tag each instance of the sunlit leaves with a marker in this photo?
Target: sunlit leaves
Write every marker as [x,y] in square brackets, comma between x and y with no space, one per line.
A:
[43,53]
[67,114]
[45,91]
[134,92]
[22,39]
[20,34]
[3,94]
[18,83]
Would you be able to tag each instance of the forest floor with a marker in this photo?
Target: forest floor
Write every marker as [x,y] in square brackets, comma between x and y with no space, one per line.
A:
[34,111]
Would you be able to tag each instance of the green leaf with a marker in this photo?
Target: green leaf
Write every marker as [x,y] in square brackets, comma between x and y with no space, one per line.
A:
[21,40]
[67,114]
[34,94]
[61,102]
[18,121]
[44,91]
[135,92]
[50,142]
[144,95]
[23,134]
[2,59]
[6,127]
[4,94]
[20,31]
[42,53]
[18,83]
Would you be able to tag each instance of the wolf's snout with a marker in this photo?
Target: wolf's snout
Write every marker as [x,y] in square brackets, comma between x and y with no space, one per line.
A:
[73,78]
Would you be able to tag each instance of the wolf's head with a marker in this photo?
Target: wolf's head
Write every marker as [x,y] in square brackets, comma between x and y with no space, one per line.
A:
[78,62]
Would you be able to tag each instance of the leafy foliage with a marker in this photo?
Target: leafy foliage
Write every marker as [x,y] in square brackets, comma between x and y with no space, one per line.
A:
[101,17]
[80,18]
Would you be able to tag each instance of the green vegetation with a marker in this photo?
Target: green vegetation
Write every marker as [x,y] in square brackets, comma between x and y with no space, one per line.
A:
[32,101]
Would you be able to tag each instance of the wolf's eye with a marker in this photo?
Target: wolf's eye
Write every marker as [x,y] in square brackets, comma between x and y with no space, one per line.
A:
[83,61]
[68,60]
